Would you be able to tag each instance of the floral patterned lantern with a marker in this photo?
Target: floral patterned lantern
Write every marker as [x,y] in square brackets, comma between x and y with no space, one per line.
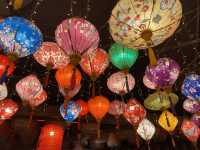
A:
[196,119]
[148,83]
[121,82]
[76,36]
[3,91]
[19,37]
[191,106]
[142,24]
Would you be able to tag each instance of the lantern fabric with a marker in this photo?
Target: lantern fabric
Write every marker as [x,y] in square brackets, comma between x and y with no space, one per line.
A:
[51,137]
[83,106]
[98,106]
[95,63]
[160,100]
[3,91]
[168,121]
[132,21]
[190,130]
[68,77]
[50,54]
[191,106]
[116,108]
[8,108]
[70,93]
[30,90]
[148,83]
[122,57]
[134,112]
[76,36]
[164,74]
[196,119]
[121,82]
[19,36]
[191,87]
[146,129]
[70,112]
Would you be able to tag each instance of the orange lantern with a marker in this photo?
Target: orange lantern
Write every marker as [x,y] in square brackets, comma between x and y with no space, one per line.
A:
[51,137]
[84,107]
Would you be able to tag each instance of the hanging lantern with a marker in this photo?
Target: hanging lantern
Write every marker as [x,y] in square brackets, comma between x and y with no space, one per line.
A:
[196,119]
[3,91]
[76,36]
[191,106]
[133,23]
[191,87]
[70,93]
[19,37]
[70,112]
[148,83]
[51,137]
[83,106]
[164,74]
[7,109]
[121,82]
[122,57]
[160,100]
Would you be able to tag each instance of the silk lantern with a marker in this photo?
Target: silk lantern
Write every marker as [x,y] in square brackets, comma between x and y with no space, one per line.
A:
[3,91]
[51,137]
[76,36]
[122,57]
[19,37]
[98,107]
[70,93]
[148,83]
[83,106]
[196,119]
[121,82]
[191,106]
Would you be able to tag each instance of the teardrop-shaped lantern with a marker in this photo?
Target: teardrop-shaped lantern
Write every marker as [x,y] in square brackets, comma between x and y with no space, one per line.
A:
[191,106]
[70,93]
[3,91]
[83,106]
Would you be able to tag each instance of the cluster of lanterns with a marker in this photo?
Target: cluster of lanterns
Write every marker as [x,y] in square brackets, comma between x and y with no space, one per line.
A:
[134,25]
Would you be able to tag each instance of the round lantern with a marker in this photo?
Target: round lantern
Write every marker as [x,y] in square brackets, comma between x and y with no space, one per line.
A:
[7,109]
[164,73]
[70,93]
[84,107]
[148,83]
[133,23]
[191,106]
[121,82]
[196,119]
[51,137]
[3,91]
[122,57]
[19,37]
[76,36]
[191,87]
[160,101]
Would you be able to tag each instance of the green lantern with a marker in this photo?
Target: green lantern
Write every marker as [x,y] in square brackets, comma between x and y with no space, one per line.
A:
[122,57]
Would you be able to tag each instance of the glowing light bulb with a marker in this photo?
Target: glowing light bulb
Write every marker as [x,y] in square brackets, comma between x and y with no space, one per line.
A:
[51,133]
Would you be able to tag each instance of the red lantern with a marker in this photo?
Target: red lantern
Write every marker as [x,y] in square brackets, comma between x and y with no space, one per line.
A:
[84,107]
[51,137]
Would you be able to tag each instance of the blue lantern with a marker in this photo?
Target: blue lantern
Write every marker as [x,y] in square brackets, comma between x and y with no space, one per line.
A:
[19,37]
[71,112]
[191,87]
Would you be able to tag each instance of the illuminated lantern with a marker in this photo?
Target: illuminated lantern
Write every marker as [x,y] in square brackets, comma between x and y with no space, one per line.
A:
[7,109]
[135,23]
[70,93]
[164,73]
[19,37]
[51,137]
[121,82]
[70,112]
[160,101]
[84,107]
[18,4]
[76,36]
[148,83]
[98,107]
[191,87]
[191,106]
[196,119]
[3,91]
[122,57]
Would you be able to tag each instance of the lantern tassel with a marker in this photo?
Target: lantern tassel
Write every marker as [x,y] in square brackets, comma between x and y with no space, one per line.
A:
[98,129]
[117,122]
[195,145]
[30,117]
[79,123]
[137,138]
[127,85]
[152,56]
[93,88]
[148,144]
[173,142]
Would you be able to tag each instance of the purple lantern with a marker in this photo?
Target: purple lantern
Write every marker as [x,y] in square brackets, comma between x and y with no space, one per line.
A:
[191,106]
[196,119]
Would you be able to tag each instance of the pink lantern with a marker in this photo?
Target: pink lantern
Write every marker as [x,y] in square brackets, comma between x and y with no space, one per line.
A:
[51,55]
[148,83]
[70,93]
[121,82]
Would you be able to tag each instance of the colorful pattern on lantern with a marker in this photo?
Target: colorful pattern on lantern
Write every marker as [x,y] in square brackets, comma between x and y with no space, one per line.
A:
[164,74]
[116,108]
[84,107]
[196,119]
[7,109]
[148,83]
[146,129]
[191,87]
[70,93]
[19,36]
[160,101]
[191,106]
[50,54]
[6,66]
[131,19]
[76,36]
[3,91]
[134,112]
[95,63]
[190,130]
[122,57]
[70,112]
[121,82]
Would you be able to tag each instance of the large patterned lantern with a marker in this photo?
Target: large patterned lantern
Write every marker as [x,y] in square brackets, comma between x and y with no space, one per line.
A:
[191,87]
[76,36]
[122,57]
[142,24]
[3,91]
[191,106]
[121,82]
[19,37]
[164,73]
[51,137]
